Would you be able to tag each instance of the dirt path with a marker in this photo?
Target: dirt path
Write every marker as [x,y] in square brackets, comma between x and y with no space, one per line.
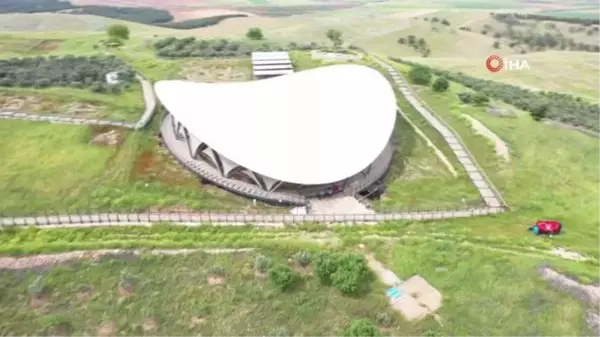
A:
[482,130]
[47,260]
[587,294]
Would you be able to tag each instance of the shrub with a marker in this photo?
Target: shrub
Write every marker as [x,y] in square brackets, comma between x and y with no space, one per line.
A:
[302,258]
[98,88]
[261,263]
[539,112]
[361,328]
[280,331]
[419,75]
[346,272]
[325,266]
[384,319]
[7,82]
[350,273]
[255,34]
[118,31]
[37,287]
[440,84]
[217,270]
[282,276]
[480,99]
[115,89]
[42,83]
[465,97]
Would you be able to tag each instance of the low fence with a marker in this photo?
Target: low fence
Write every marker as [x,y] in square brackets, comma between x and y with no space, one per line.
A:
[106,219]
[150,107]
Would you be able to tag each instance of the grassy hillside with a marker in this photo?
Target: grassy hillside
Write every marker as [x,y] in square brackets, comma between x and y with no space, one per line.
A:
[73,24]
[553,172]
[553,71]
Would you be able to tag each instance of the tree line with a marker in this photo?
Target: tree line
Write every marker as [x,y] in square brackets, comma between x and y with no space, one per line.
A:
[561,107]
[537,41]
[173,47]
[436,19]
[67,71]
[418,44]
[537,17]
[144,15]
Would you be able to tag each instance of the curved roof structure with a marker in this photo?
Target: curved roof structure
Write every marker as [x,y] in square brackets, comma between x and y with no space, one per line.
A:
[312,127]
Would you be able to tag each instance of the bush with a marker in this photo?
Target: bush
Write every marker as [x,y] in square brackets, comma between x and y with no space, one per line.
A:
[350,274]
[217,270]
[384,319]
[440,84]
[465,97]
[419,75]
[115,89]
[118,31]
[361,328]
[255,34]
[42,83]
[37,287]
[282,276]
[302,258]
[280,331]
[346,272]
[7,82]
[261,263]
[325,266]
[539,112]
[98,88]
[477,98]
[480,99]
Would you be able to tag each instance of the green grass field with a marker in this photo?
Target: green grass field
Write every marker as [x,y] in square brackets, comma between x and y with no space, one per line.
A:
[544,178]
[486,291]
[135,176]
[179,299]
[126,106]
[485,267]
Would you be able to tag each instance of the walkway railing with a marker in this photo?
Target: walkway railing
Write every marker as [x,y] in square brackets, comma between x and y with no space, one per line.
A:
[185,218]
[150,107]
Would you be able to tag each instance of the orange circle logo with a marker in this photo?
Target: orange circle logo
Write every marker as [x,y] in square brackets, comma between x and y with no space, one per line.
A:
[494,63]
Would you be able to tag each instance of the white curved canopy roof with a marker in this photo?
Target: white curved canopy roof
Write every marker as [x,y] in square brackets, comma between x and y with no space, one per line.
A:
[312,127]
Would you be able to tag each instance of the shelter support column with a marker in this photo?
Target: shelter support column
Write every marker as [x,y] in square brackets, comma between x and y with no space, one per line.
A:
[187,142]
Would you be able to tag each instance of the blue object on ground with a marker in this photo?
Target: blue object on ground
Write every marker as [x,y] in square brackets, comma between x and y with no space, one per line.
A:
[394,293]
[536,230]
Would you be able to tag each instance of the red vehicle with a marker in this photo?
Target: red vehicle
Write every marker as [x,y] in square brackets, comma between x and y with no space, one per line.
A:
[548,227]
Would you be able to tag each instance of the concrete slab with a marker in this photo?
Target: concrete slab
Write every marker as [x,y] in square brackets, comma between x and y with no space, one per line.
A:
[423,292]
[410,308]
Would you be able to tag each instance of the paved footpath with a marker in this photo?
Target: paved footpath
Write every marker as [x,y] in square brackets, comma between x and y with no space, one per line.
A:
[124,219]
[489,194]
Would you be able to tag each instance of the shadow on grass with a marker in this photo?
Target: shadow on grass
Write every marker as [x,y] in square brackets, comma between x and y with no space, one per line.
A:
[404,144]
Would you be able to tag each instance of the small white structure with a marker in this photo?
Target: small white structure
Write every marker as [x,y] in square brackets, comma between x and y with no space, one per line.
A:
[271,64]
[113,78]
